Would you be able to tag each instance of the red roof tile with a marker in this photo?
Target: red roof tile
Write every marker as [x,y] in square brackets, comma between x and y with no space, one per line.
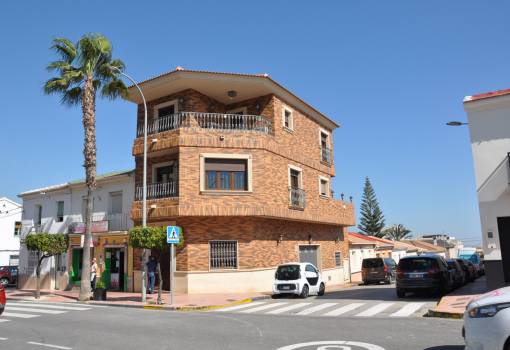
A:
[486,95]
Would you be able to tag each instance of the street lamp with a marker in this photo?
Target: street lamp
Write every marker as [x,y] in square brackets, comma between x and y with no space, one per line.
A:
[456,123]
[144,186]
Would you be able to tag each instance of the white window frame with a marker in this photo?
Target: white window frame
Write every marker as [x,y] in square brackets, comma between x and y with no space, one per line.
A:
[209,254]
[166,104]
[160,165]
[324,131]
[249,165]
[63,211]
[236,110]
[110,195]
[296,168]
[328,189]
[291,119]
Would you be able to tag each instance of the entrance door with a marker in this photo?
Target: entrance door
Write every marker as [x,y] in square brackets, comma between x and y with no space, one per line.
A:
[114,269]
[164,261]
[504,244]
[76,266]
[309,254]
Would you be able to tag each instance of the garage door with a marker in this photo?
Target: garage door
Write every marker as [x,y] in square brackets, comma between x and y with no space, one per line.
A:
[309,253]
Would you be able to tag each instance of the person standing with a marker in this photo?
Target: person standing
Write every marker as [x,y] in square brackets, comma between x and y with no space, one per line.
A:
[151,268]
[93,274]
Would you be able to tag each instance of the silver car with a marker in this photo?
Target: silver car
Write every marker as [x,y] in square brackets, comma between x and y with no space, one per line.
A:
[487,321]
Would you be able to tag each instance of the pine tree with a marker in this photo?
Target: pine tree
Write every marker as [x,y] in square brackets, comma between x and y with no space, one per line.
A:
[372,218]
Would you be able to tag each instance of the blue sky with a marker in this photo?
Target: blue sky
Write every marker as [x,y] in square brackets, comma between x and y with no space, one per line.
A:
[390,72]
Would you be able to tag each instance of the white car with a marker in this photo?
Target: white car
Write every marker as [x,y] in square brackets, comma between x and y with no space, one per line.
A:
[487,321]
[301,279]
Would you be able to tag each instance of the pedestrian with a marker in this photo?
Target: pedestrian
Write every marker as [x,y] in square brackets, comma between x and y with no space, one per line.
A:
[93,274]
[151,268]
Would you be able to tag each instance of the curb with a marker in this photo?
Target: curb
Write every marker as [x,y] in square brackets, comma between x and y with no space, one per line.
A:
[440,314]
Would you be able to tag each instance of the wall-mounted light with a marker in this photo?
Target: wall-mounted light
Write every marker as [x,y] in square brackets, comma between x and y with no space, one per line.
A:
[154,140]
[280,238]
[257,107]
[153,206]
[231,93]
[222,138]
[309,239]
[181,100]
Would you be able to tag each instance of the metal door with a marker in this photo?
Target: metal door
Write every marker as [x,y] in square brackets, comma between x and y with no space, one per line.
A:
[309,254]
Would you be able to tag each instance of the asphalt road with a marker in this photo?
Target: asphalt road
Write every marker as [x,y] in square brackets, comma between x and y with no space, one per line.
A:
[86,327]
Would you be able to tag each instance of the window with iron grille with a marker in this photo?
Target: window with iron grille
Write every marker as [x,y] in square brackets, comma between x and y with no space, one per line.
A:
[223,254]
[338,259]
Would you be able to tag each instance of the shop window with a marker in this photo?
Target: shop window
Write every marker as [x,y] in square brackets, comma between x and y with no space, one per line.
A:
[223,254]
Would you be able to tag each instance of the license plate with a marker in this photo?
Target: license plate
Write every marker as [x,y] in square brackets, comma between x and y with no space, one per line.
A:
[415,275]
[285,287]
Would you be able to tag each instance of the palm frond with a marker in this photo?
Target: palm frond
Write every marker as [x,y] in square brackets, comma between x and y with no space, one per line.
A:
[114,89]
[106,71]
[56,85]
[65,48]
[95,50]
[59,66]
[72,96]
[74,76]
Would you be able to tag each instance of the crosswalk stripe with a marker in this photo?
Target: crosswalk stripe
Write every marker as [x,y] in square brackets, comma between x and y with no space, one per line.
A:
[56,307]
[3,320]
[316,308]
[30,309]
[14,314]
[344,309]
[240,307]
[287,308]
[263,307]
[407,310]
[374,310]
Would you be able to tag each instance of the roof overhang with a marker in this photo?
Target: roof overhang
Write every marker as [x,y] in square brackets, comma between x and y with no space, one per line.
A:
[217,84]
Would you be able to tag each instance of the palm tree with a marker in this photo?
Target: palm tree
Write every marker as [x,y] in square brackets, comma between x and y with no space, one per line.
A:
[84,69]
[396,232]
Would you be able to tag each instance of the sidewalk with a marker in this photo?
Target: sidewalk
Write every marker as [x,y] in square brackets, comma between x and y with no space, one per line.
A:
[454,304]
[181,301]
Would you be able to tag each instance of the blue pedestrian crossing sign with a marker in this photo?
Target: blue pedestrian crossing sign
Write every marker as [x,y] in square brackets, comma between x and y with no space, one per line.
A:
[173,234]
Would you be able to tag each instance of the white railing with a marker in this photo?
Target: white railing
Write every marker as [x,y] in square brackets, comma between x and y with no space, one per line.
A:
[116,222]
[216,121]
[297,198]
[158,190]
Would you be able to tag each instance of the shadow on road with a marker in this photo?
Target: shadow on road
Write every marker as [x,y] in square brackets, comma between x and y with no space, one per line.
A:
[446,347]
[380,293]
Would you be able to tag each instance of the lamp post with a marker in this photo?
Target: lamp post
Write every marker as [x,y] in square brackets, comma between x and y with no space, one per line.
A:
[144,185]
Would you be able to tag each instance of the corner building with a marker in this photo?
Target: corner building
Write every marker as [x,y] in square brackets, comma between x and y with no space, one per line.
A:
[244,166]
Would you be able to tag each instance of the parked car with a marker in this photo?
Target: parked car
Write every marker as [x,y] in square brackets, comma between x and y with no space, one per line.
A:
[469,269]
[301,279]
[423,273]
[375,270]
[459,276]
[2,299]
[8,275]
[487,321]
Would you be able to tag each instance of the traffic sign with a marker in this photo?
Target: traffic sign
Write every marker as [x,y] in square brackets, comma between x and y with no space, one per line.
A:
[173,234]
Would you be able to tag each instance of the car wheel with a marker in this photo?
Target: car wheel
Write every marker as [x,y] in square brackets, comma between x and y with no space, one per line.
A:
[322,289]
[4,281]
[304,292]
[507,344]
[275,296]
[401,293]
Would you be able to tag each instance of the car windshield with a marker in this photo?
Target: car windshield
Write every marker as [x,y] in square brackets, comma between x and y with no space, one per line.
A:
[417,264]
[287,272]
[371,263]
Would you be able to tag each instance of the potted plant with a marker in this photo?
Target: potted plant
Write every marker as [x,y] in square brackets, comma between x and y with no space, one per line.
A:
[100,291]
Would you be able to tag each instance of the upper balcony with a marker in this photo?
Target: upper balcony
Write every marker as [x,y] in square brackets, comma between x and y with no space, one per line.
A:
[208,121]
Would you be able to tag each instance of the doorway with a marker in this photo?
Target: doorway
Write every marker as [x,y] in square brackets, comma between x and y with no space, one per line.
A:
[114,273]
[309,254]
[77,264]
[504,245]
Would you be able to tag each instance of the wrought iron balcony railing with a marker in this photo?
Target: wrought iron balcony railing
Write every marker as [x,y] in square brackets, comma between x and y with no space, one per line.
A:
[215,121]
[326,155]
[157,190]
[297,198]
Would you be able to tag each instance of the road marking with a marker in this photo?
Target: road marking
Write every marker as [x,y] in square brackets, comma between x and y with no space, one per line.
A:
[243,306]
[50,345]
[374,310]
[316,308]
[407,310]
[3,338]
[337,344]
[4,320]
[29,309]
[14,314]
[57,307]
[344,309]
[287,308]
[263,307]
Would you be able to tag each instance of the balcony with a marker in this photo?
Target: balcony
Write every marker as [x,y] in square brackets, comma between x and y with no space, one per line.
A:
[157,190]
[326,155]
[208,121]
[297,198]
[100,223]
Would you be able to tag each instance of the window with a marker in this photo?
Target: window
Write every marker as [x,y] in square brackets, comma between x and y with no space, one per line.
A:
[225,172]
[296,192]
[295,177]
[17,228]
[338,259]
[164,174]
[223,254]
[38,214]
[116,202]
[239,111]
[165,116]
[323,186]
[324,139]
[60,211]
[288,118]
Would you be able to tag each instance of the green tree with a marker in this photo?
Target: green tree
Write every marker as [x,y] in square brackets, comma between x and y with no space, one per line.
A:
[82,70]
[45,245]
[372,218]
[396,232]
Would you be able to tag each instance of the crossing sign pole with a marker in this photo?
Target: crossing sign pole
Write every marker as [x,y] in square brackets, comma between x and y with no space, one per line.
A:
[173,237]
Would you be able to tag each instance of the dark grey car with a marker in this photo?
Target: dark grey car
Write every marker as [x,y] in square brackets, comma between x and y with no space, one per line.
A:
[375,270]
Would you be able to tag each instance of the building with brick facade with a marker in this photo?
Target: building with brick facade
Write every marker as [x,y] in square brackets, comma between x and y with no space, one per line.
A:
[244,166]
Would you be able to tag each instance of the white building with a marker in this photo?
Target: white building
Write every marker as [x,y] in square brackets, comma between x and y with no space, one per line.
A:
[61,209]
[10,228]
[489,125]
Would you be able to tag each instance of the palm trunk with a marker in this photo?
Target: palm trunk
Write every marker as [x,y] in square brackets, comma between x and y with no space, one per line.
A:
[160,284]
[38,276]
[89,152]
